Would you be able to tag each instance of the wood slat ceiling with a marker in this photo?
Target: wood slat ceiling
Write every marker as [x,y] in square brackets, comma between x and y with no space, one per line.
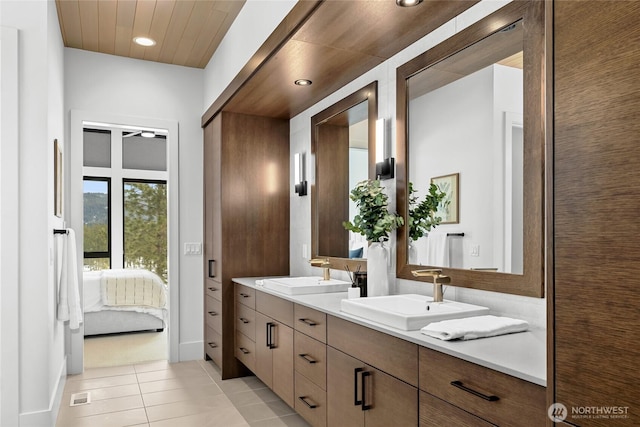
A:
[187,32]
[338,42]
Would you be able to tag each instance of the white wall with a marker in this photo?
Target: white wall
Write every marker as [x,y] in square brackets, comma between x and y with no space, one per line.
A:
[255,22]
[531,309]
[40,362]
[110,85]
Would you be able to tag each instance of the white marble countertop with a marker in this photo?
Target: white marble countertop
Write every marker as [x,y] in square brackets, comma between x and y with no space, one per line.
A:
[522,355]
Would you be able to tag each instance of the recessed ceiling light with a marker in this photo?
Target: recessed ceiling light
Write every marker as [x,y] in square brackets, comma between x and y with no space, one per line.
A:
[144,41]
[408,3]
[303,82]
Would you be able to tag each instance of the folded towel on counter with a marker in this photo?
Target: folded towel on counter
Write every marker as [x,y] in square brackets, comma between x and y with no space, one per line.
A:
[471,328]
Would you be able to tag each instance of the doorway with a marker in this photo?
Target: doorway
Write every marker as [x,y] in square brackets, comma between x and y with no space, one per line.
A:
[124,199]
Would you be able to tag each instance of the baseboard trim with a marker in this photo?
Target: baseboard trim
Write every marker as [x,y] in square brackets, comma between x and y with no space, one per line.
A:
[48,416]
[193,350]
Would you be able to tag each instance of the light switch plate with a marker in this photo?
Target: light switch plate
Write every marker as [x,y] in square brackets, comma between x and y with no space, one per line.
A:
[193,248]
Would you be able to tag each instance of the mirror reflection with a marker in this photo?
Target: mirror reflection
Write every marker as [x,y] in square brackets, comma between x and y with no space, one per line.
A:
[465,134]
[341,137]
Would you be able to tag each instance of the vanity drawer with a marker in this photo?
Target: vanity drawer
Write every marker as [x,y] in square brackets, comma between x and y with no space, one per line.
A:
[491,395]
[310,402]
[437,413]
[245,351]
[274,307]
[311,322]
[392,355]
[310,359]
[213,345]
[213,314]
[214,289]
[246,321]
[245,295]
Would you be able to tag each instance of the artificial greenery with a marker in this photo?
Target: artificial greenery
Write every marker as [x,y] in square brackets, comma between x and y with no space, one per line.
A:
[422,215]
[374,221]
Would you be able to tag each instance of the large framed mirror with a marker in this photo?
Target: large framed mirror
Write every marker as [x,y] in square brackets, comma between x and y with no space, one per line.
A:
[471,119]
[343,144]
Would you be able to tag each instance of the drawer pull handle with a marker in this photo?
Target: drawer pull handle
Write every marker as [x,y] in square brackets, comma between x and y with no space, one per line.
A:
[244,350]
[243,295]
[243,320]
[213,313]
[365,407]
[490,398]
[304,400]
[213,345]
[212,289]
[356,371]
[308,322]
[270,328]
[211,272]
[307,358]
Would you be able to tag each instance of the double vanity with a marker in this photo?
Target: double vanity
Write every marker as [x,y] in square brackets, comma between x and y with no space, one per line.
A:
[336,366]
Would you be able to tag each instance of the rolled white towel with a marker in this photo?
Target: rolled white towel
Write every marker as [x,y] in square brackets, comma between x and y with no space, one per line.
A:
[470,328]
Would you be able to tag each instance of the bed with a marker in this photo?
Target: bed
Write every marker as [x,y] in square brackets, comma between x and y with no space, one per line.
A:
[125,300]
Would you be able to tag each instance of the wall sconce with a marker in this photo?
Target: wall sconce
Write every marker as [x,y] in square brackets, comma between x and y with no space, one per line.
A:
[385,164]
[299,174]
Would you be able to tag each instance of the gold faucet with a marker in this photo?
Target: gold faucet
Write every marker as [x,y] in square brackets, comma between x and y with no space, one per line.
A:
[438,280]
[325,264]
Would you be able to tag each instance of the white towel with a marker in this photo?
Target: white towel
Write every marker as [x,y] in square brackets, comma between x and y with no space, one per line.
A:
[69,307]
[470,328]
[437,249]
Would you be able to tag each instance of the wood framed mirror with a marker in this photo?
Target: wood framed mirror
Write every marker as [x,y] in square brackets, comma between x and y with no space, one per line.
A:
[343,146]
[473,108]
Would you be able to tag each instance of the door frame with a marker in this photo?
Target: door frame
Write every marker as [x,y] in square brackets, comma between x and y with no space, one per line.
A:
[78,118]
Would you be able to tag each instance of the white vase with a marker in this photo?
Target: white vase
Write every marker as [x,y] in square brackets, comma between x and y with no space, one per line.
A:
[377,270]
[413,252]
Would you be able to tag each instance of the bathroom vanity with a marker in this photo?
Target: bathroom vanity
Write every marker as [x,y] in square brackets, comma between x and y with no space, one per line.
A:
[336,369]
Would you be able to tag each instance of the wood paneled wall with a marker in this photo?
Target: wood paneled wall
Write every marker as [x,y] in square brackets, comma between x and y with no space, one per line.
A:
[597,200]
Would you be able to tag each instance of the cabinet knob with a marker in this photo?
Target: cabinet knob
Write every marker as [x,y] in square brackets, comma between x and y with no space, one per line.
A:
[243,320]
[212,313]
[213,345]
[244,350]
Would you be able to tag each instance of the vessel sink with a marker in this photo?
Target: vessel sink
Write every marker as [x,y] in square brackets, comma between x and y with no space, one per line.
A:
[408,312]
[305,285]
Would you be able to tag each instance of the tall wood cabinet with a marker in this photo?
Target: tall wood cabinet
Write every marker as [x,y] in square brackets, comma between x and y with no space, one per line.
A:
[596,295]
[246,218]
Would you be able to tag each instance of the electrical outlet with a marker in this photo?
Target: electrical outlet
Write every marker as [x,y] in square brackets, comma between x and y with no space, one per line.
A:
[193,248]
[475,250]
[304,250]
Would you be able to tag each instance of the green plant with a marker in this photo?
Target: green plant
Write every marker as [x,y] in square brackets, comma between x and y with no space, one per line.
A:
[374,221]
[422,215]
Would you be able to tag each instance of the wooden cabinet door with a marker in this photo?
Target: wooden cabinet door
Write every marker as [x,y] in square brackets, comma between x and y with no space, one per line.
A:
[390,401]
[212,204]
[343,389]
[282,343]
[596,193]
[264,355]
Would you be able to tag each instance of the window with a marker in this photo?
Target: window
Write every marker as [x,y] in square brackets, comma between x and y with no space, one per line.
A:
[125,198]
[97,223]
[145,225]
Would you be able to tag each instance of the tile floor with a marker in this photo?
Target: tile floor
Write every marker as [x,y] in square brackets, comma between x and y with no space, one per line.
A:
[160,394]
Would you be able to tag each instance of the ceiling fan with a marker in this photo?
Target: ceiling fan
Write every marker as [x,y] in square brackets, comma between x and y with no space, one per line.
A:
[142,133]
